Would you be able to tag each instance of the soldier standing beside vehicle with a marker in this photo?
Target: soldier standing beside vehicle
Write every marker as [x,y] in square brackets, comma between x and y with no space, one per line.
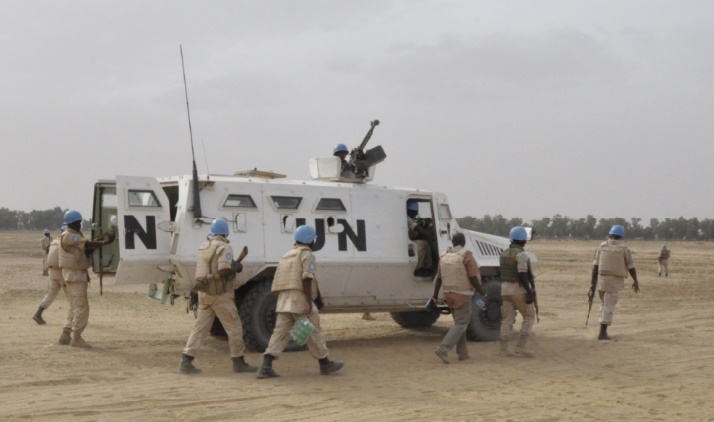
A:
[663,259]
[296,285]
[613,261]
[56,282]
[45,244]
[516,293]
[459,274]
[215,272]
[419,233]
[74,260]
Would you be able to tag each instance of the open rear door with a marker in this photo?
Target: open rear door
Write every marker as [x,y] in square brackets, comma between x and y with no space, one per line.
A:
[144,248]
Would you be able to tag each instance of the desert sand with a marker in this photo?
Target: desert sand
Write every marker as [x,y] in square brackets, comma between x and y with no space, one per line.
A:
[658,366]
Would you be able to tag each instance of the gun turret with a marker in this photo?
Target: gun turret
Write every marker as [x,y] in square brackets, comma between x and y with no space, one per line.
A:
[360,160]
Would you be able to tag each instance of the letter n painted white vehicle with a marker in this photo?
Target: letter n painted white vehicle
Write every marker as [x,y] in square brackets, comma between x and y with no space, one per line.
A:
[365,260]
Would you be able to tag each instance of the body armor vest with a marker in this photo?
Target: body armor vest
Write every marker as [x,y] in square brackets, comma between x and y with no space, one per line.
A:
[509,263]
[664,254]
[453,270]
[288,275]
[612,260]
[53,256]
[72,257]
[207,278]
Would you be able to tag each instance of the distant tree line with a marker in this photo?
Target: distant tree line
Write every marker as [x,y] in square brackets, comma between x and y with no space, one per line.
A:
[590,227]
[51,219]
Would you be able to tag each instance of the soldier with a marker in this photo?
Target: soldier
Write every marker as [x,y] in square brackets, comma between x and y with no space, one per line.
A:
[45,244]
[74,260]
[296,285]
[516,293]
[613,261]
[460,276]
[663,259]
[56,282]
[215,272]
[419,233]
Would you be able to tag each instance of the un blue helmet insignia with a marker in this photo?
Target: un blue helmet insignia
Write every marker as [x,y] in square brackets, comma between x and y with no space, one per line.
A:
[312,267]
[75,239]
[229,256]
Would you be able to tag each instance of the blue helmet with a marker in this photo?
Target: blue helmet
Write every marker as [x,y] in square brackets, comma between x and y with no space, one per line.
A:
[339,148]
[305,235]
[664,246]
[72,216]
[63,228]
[219,227]
[518,233]
[46,231]
[617,230]
[412,205]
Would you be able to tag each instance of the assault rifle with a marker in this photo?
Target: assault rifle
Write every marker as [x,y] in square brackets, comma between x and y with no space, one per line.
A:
[531,280]
[361,160]
[591,297]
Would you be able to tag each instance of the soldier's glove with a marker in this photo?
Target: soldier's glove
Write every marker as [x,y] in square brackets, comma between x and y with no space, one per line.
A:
[88,251]
[530,297]
[319,302]
[237,266]
[110,238]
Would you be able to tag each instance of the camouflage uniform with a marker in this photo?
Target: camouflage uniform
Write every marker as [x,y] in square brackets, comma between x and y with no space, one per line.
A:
[74,264]
[45,244]
[614,260]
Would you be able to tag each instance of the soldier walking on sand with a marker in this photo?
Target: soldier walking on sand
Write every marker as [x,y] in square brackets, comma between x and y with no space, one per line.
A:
[56,282]
[45,244]
[296,285]
[663,259]
[460,276]
[215,272]
[613,261]
[516,293]
[74,260]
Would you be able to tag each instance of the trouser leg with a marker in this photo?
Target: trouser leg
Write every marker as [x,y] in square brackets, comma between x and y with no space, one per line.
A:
[316,343]
[456,334]
[200,330]
[80,305]
[508,317]
[281,333]
[227,313]
[53,288]
[608,305]
[527,313]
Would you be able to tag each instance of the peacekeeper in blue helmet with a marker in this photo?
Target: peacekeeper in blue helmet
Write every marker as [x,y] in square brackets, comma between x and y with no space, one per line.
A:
[215,273]
[613,262]
[295,283]
[74,253]
[663,259]
[420,231]
[340,151]
[516,293]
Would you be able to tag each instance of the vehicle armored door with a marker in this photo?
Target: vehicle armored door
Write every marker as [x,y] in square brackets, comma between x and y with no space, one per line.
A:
[443,222]
[104,218]
[142,207]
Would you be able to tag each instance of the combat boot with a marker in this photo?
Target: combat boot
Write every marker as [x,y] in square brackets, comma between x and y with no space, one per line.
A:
[603,333]
[506,349]
[186,366]
[239,365]
[266,369]
[328,367]
[522,347]
[65,337]
[78,341]
[38,316]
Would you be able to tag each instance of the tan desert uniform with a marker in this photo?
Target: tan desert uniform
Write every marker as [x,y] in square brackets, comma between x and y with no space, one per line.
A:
[215,298]
[456,266]
[295,266]
[56,281]
[45,243]
[423,249]
[74,264]
[663,259]
[514,260]
[613,259]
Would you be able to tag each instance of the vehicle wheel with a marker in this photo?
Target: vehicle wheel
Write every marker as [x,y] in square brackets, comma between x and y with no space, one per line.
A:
[257,313]
[486,323]
[421,319]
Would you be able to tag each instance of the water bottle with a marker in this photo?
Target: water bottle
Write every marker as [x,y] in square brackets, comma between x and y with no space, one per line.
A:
[480,304]
[302,330]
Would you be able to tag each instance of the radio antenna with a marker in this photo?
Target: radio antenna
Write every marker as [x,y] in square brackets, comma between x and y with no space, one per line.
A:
[196,197]
[205,157]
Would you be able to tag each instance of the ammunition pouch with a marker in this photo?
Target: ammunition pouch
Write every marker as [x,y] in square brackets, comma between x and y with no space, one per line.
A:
[213,284]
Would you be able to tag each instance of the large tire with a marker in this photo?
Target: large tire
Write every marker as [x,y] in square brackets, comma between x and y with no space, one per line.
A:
[421,319]
[486,323]
[257,313]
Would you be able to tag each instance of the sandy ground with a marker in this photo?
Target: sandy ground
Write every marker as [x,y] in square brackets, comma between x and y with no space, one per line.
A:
[658,367]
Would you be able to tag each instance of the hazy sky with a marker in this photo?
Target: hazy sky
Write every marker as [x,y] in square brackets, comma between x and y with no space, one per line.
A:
[519,108]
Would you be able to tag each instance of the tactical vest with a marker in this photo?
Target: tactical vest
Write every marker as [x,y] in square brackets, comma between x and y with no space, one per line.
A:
[453,271]
[288,275]
[53,255]
[207,278]
[72,257]
[509,263]
[664,254]
[612,260]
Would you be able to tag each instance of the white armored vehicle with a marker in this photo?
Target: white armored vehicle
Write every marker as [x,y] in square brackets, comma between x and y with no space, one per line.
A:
[365,259]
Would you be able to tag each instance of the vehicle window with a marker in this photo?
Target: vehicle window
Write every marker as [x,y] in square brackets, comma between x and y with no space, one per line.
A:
[239,201]
[286,202]
[331,204]
[143,198]
[444,212]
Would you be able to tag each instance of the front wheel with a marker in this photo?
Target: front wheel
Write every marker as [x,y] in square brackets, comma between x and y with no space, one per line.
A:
[420,319]
[486,323]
